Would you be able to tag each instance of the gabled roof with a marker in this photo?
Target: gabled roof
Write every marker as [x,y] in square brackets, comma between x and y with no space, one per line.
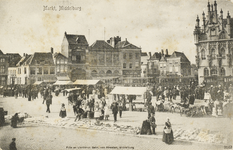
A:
[14,58]
[101,44]
[1,53]
[59,55]
[40,58]
[22,60]
[76,39]
[180,54]
[126,45]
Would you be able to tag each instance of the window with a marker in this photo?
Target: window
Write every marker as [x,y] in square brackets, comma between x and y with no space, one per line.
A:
[213,72]
[137,55]
[222,72]
[94,73]
[124,55]
[130,55]
[109,72]
[206,72]
[124,65]
[62,61]
[213,55]
[2,59]
[39,70]
[3,80]
[52,70]
[58,61]
[73,58]
[39,79]
[222,53]
[65,68]
[46,70]
[25,70]
[58,69]
[203,54]
[130,65]
[2,69]
[18,80]
[137,64]
[19,70]
[32,70]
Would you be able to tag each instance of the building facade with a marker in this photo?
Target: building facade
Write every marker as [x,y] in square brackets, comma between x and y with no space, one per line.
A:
[75,47]
[214,46]
[3,69]
[61,65]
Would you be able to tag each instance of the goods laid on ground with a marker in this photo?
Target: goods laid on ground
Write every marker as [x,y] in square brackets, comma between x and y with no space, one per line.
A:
[200,136]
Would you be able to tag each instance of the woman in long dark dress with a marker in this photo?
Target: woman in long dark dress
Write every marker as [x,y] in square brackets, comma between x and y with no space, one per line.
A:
[168,133]
[62,111]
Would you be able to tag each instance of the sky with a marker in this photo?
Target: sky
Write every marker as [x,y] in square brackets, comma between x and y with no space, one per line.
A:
[150,24]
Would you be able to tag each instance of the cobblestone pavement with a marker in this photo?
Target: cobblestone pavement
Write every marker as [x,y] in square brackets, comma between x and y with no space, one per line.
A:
[36,108]
[50,138]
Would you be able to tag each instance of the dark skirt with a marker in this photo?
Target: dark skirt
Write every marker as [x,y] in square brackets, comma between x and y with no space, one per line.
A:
[62,114]
[168,137]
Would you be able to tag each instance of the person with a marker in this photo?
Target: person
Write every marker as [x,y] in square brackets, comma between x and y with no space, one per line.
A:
[49,102]
[12,145]
[106,112]
[79,114]
[120,108]
[14,120]
[152,123]
[114,108]
[168,133]
[97,110]
[151,109]
[62,113]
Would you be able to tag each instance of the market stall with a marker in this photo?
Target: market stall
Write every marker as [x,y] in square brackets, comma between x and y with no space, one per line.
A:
[131,92]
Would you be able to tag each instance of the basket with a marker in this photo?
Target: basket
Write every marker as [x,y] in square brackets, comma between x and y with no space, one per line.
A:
[167,130]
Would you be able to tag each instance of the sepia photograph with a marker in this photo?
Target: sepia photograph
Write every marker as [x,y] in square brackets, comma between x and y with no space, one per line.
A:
[116,74]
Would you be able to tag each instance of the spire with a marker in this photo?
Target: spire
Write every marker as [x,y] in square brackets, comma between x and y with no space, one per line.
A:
[228,15]
[197,21]
[212,7]
[221,11]
[215,5]
[208,6]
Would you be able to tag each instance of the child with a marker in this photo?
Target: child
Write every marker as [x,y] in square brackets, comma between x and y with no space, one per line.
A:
[106,113]
[152,123]
[62,111]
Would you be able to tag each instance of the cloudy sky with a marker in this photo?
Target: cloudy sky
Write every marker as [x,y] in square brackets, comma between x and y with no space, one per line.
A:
[150,24]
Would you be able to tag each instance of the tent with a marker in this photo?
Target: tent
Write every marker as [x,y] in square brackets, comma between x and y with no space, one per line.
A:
[129,90]
[63,83]
[87,82]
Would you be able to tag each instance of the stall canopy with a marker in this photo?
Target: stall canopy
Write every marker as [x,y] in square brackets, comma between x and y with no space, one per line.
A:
[72,89]
[37,83]
[87,82]
[63,83]
[129,90]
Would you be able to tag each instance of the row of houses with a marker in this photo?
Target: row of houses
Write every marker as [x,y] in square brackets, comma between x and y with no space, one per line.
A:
[114,60]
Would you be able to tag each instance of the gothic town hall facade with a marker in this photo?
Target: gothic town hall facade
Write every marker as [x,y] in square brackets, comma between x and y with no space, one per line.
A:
[214,46]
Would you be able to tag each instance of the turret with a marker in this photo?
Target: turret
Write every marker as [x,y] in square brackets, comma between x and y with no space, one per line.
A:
[215,12]
[203,17]
[197,22]
[221,14]
[228,27]
[209,13]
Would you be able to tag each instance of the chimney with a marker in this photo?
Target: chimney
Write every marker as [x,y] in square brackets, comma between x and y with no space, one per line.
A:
[51,50]
[162,53]
[167,52]
[24,54]
[150,54]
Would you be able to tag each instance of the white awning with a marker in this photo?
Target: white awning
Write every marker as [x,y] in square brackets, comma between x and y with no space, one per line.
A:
[87,82]
[72,89]
[37,83]
[63,83]
[129,90]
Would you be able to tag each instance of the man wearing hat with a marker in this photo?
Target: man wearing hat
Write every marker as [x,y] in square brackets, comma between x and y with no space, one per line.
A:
[12,145]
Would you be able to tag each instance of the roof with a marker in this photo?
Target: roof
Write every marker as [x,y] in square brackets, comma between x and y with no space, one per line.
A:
[63,83]
[129,90]
[86,82]
[40,58]
[14,58]
[59,55]
[144,54]
[76,39]
[1,53]
[101,44]
[126,45]
[22,60]
[180,54]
